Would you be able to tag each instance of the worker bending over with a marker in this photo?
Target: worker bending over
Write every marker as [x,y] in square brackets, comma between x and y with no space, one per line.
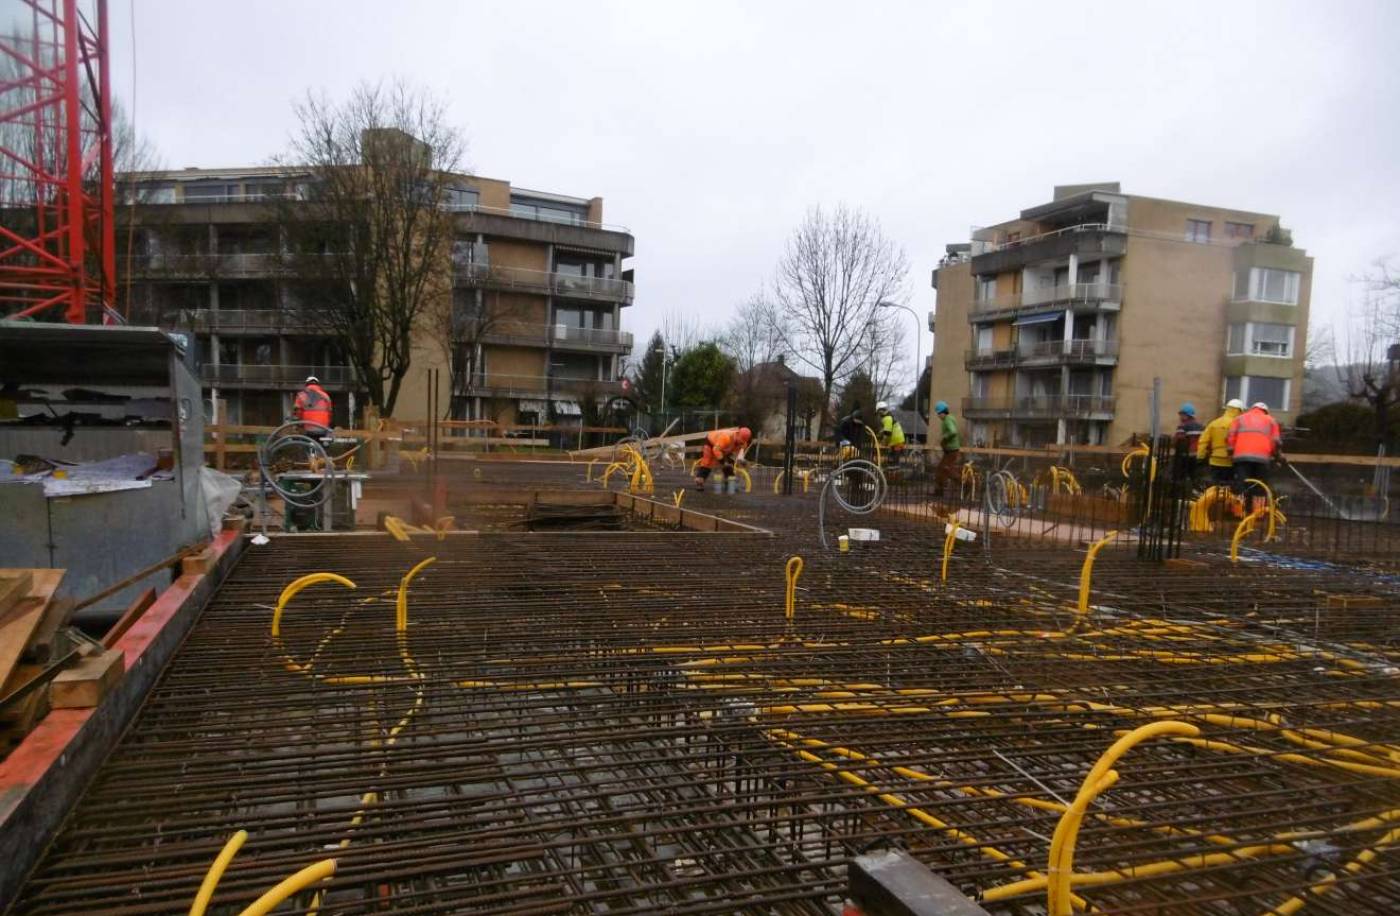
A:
[950,465]
[723,447]
[1213,446]
[1254,439]
[891,434]
[313,408]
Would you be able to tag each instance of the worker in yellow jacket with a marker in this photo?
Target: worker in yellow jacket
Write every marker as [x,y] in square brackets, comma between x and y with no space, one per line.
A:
[1214,444]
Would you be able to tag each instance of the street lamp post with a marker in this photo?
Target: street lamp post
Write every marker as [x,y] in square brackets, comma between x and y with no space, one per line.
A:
[918,351]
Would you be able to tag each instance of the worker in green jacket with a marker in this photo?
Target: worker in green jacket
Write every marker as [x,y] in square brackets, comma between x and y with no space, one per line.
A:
[891,434]
[950,466]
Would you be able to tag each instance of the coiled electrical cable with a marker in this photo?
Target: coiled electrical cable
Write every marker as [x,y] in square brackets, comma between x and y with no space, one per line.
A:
[861,476]
[999,494]
[310,448]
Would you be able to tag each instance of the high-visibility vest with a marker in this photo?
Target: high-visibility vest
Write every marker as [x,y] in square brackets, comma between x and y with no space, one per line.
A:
[891,430]
[1214,441]
[723,441]
[313,405]
[1254,435]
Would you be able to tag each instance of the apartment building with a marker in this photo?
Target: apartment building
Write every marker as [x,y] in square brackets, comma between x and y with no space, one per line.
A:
[1051,327]
[538,289]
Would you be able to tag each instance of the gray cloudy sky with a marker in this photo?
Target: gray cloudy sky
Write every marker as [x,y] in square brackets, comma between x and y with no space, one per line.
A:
[709,128]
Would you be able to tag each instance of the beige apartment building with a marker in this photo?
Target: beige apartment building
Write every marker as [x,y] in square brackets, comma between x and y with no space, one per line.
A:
[1051,327]
[538,292]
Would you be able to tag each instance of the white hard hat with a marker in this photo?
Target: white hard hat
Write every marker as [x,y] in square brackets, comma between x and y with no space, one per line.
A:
[312,380]
[1261,405]
[882,406]
[1235,403]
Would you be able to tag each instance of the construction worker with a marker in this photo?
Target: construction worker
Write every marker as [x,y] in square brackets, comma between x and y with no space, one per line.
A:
[1254,441]
[850,434]
[723,447]
[891,434]
[1213,446]
[950,465]
[1188,428]
[313,408]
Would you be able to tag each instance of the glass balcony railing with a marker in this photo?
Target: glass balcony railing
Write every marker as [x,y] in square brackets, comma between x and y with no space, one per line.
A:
[1053,406]
[279,375]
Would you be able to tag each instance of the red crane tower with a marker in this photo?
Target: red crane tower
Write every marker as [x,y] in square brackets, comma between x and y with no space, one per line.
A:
[57,228]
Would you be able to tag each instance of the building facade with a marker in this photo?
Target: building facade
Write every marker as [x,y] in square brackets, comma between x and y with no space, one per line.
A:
[538,291]
[1051,327]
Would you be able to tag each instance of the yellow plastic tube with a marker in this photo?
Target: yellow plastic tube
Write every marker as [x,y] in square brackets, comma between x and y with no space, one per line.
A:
[293,885]
[1101,777]
[401,606]
[948,543]
[296,586]
[1243,529]
[793,570]
[1087,572]
[216,872]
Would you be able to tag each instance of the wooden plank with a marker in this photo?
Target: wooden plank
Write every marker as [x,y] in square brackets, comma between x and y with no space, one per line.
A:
[132,614]
[14,585]
[18,626]
[85,684]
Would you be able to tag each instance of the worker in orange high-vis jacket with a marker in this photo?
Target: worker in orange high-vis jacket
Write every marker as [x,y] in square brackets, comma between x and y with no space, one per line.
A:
[313,408]
[1255,440]
[722,448]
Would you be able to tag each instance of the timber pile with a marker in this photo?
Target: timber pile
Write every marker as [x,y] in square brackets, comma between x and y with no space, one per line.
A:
[43,663]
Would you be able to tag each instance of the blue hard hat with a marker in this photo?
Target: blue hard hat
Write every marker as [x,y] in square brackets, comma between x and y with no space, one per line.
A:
[1188,408]
[940,407]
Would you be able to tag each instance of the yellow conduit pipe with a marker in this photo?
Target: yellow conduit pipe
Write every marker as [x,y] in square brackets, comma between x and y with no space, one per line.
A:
[744,475]
[444,525]
[1363,858]
[1086,573]
[948,543]
[778,483]
[678,496]
[793,570]
[216,872]
[1270,504]
[401,604]
[296,586]
[293,885]
[1242,530]
[1101,777]
[879,460]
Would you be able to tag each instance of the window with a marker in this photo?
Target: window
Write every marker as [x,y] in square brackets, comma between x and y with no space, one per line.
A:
[986,289]
[1198,230]
[1272,391]
[1239,230]
[1271,339]
[462,199]
[1268,284]
[984,340]
[1252,388]
[210,192]
[549,211]
[1241,284]
[979,384]
[1236,343]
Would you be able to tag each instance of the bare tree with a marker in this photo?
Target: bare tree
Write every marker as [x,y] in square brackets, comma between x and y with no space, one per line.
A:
[883,355]
[752,337]
[837,268]
[683,330]
[370,228]
[1365,366]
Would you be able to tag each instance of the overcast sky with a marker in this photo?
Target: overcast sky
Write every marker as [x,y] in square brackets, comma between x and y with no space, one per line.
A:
[710,128]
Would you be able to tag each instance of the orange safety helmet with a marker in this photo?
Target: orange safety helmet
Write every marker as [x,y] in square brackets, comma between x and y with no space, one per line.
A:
[745,434]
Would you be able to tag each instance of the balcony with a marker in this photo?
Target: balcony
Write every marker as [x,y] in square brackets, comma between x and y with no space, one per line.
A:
[1048,407]
[541,282]
[234,375]
[560,336]
[1075,297]
[498,385]
[1078,352]
[202,265]
[1094,240]
[248,321]
[532,226]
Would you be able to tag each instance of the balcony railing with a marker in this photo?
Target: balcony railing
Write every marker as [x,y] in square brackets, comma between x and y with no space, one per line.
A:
[578,221]
[1101,295]
[564,337]
[280,375]
[203,264]
[1047,351]
[474,273]
[248,321]
[494,384]
[1053,406]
